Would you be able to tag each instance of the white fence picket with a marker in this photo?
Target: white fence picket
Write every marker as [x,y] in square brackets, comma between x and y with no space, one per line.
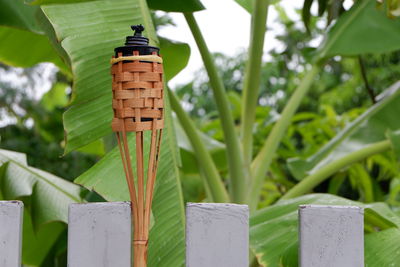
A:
[99,234]
[217,235]
[11,215]
[331,236]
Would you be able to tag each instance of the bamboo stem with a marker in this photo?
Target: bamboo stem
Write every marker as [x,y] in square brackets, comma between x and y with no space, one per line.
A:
[140,180]
[140,253]
[151,176]
[131,178]
[131,187]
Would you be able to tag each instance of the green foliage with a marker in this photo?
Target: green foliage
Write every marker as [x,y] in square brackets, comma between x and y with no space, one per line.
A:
[38,131]
[188,155]
[38,187]
[394,138]
[333,9]
[198,96]
[176,57]
[44,153]
[306,13]
[246,4]
[19,27]
[364,29]
[39,244]
[14,52]
[368,128]
[55,97]
[18,15]
[212,180]
[382,248]
[323,112]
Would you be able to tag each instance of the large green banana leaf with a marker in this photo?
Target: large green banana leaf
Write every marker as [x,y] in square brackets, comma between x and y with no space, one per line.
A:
[38,243]
[274,230]
[176,56]
[18,15]
[246,4]
[363,29]
[89,32]
[22,41]
[47,196]
[22,48]
[372,126]
[383,248]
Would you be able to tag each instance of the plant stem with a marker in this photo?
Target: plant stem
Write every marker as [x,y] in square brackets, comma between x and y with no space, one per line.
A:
[234,154]
[252,77]
[205,162]
[308,183]
[263,160]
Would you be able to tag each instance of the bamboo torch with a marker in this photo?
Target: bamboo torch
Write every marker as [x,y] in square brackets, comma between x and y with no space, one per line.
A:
[138,103]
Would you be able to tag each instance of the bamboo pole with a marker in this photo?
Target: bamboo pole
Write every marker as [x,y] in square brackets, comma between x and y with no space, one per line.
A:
[137,110]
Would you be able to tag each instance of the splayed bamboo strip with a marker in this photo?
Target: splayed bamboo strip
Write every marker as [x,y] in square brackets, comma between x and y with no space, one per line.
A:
[138,107]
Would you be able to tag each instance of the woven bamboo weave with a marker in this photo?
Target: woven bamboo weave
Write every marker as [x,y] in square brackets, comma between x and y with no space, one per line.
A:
[138,100]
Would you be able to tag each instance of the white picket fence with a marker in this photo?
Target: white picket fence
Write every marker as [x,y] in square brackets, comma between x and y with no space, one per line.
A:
[217,235]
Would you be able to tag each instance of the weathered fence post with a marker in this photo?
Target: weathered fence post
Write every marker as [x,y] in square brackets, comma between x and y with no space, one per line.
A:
[217,235]
[331,236]
[99,234]
[11,214]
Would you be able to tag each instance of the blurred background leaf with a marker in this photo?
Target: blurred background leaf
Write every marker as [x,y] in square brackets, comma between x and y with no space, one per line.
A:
[363,29]
[18,15]
[175,55]
[368,128]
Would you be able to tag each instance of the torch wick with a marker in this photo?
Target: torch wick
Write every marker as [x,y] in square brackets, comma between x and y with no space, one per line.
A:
[138,29]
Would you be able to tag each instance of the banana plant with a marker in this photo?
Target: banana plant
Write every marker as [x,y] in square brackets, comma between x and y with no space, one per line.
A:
[79,37]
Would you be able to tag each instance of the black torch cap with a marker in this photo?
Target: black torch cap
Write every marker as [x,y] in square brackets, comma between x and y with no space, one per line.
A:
[137,42]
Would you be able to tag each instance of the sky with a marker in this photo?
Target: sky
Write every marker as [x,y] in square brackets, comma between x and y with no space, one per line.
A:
[227,32]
